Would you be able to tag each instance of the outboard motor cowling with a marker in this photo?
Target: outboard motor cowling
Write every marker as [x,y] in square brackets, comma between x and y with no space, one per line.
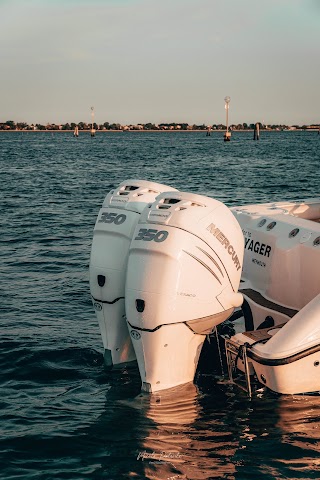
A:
[182,280]
[112,235]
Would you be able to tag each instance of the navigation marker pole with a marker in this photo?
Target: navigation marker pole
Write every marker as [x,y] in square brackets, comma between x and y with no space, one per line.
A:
[92,131]
[227,135]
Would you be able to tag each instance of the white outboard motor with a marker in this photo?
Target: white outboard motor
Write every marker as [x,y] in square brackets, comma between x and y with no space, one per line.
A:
[183,276]
[112,235]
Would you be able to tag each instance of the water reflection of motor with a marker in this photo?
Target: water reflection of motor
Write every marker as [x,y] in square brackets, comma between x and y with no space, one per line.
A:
[181,443]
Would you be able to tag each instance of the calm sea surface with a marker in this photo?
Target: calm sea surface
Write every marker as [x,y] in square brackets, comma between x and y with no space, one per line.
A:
[62,416]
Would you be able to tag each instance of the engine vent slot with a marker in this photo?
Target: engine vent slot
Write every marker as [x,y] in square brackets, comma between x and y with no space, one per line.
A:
[163,207]
[167,202]
[171,201]
[193,204]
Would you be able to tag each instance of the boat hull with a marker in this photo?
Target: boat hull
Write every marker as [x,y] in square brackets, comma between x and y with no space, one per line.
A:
[300,376]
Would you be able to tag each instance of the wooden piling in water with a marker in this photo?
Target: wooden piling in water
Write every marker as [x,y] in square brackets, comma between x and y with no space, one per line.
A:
[256,133]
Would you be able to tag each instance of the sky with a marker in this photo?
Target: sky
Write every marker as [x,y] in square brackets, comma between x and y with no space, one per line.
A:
[160,61]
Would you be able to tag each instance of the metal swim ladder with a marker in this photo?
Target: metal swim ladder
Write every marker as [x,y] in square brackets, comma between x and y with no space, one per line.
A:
[234,351]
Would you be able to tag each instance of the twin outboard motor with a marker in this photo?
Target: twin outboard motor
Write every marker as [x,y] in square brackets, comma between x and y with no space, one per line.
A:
[183,275]
[113,232]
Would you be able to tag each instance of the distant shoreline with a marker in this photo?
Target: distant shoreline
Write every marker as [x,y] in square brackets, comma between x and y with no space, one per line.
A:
[160,131]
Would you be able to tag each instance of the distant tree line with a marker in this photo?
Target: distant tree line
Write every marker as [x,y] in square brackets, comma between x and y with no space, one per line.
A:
[11,125]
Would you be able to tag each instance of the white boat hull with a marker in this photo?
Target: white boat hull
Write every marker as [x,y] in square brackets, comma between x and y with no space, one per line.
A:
[281,250]
[281,286]
[301,376]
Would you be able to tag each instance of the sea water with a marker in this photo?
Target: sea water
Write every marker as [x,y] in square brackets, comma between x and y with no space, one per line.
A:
[62,416]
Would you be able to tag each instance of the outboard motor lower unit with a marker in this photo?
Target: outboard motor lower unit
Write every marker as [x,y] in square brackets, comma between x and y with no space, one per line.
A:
[112,235]
[182,280]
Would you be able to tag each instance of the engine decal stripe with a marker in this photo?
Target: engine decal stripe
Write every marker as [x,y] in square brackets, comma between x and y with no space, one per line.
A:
[212,259]
[203,264]
[204,241]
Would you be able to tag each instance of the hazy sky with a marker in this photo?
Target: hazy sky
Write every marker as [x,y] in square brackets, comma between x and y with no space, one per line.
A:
[160,60]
